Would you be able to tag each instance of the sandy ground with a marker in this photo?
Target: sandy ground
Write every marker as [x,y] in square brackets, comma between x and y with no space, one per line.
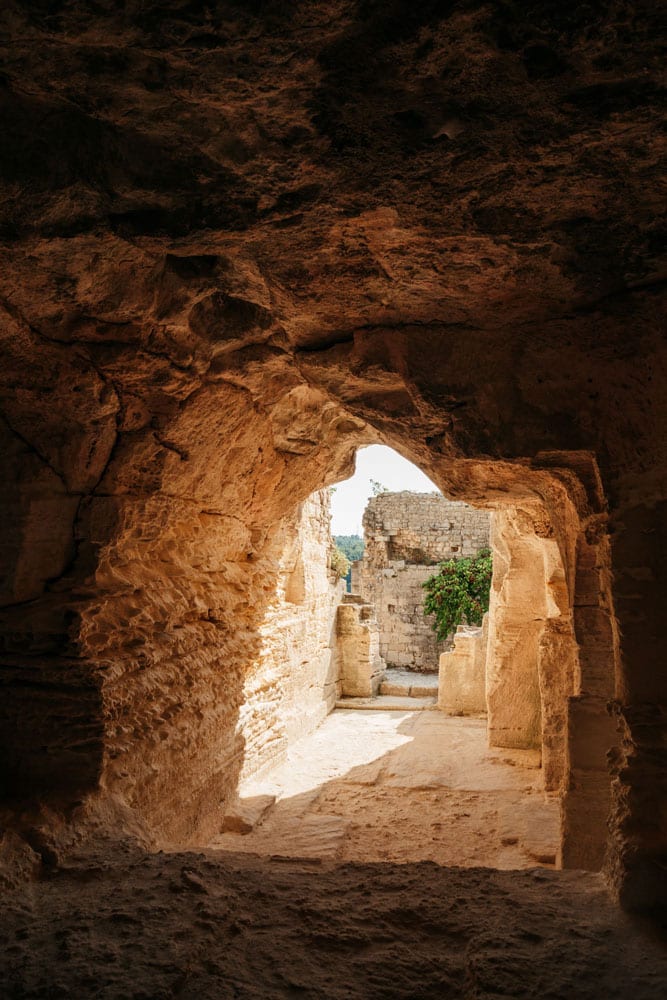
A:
[123,924]
[113,921]
[402,786]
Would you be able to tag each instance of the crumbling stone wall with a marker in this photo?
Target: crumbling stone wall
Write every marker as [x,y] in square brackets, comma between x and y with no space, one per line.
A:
[462,671]
[406,535]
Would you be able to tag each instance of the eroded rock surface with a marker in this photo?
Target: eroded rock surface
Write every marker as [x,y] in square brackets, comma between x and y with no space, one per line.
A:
[216,925]
[239,241]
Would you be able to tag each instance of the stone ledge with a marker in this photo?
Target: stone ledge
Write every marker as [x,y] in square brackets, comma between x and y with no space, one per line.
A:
[389,703]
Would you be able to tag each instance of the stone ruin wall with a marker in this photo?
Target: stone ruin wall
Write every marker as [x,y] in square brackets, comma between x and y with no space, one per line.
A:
[295,680]
[406,535]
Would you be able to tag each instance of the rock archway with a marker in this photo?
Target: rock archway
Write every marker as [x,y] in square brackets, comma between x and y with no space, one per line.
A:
[232,245]
[165,595]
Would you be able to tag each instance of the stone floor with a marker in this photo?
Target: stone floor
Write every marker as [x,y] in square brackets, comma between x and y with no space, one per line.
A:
[401,787]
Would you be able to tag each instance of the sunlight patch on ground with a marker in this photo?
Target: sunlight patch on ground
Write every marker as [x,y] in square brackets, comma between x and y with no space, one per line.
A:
[330,752]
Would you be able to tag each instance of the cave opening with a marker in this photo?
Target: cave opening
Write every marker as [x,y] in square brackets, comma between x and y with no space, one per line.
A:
[215,639]
[239,241]
[503,707]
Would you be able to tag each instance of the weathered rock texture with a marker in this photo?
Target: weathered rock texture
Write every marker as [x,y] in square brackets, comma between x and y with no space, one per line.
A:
[239,241]
[122,923]
[360,665]
[462,672]
[295,680]
[405,536]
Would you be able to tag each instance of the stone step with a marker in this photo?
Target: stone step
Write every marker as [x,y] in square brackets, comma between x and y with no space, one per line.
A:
[409,690]
[388,703]
[409,684]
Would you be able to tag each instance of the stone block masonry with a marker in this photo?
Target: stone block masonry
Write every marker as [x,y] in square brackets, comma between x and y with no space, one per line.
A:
[358,649]
[406,536]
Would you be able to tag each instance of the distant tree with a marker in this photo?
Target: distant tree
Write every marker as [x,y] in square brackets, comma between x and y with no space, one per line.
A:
[340,564]
[353,548]
[459,592]
[378,488]
[351,545]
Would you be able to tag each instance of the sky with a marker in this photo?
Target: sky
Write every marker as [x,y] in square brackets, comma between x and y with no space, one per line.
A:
[385,466]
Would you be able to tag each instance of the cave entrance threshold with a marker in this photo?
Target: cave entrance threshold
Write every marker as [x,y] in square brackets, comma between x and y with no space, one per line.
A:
[403,786]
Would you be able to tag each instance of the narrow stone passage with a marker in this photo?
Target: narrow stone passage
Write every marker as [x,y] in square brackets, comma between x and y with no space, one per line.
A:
[399,786]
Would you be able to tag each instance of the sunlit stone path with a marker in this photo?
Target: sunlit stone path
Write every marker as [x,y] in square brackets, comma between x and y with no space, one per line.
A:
[399,786]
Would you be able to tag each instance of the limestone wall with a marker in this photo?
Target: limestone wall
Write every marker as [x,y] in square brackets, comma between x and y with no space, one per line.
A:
[406,637]
[294,681]
[406,535]
[462,672]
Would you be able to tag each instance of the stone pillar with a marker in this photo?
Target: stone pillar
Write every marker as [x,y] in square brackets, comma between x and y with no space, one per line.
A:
[585,807]
[358,651]
[637,858]
[515,625]
[556,661]
[462,679]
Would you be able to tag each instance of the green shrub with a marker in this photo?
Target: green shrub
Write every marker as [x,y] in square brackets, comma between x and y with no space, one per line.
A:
[459,592]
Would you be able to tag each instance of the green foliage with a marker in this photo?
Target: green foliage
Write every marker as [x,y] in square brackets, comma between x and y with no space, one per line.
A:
[340,563]
[377,488]
[459,592]
[351,545]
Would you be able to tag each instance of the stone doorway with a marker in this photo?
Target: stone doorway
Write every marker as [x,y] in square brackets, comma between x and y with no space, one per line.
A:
[407,535]
[511,687]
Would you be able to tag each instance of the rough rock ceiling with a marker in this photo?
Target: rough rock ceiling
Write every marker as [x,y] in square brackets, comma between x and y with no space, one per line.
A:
[466,192]
[466,164]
